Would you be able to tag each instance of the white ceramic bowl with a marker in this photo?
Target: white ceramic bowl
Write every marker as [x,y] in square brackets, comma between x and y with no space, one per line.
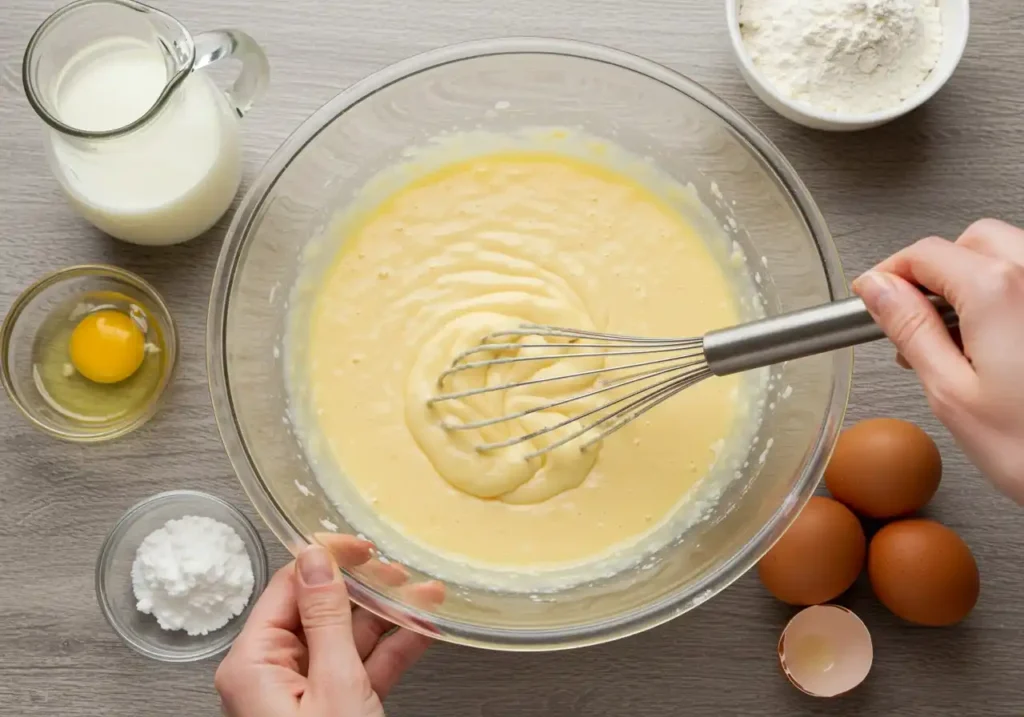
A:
[956,27]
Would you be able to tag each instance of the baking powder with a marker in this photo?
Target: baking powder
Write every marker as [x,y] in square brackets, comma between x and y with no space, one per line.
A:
[193,574]
[844,56]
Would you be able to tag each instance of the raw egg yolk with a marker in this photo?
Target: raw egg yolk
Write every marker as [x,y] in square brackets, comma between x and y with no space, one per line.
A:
[107,346]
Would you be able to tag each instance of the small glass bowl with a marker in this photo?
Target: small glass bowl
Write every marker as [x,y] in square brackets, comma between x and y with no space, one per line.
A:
[18,335]
[114,580]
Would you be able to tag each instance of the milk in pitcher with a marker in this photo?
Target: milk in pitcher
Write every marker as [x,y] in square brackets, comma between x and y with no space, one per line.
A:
[166,181]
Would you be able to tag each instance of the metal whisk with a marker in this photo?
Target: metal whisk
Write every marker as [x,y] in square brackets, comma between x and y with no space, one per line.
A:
[663,366]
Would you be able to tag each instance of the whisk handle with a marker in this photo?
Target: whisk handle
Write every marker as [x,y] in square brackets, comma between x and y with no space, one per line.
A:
[798,334]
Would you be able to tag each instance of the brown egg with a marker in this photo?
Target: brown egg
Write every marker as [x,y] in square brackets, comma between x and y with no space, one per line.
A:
[884,468]
[923,572]
[818,558]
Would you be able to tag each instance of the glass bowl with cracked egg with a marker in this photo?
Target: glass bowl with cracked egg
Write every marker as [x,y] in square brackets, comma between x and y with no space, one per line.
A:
[600,110]
[87,352]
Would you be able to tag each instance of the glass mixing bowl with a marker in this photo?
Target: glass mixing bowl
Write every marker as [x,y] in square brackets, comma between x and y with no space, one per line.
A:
[506,85]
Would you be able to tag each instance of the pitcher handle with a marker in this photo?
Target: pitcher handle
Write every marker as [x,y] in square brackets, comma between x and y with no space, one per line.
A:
[252,81]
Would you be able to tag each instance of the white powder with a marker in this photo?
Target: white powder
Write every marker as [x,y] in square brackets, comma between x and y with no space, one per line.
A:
[193,574]
[844,56]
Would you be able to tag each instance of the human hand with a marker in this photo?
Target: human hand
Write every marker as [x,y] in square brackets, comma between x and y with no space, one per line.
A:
[977,392]
[306,652]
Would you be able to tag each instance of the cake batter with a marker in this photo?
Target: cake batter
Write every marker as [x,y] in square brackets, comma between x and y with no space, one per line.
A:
[473,247]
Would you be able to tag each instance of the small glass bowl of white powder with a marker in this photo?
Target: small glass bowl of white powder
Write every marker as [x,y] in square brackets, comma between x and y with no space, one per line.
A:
[178,575]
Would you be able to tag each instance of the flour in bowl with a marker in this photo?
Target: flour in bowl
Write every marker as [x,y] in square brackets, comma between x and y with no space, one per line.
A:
[192,574]
[850,57]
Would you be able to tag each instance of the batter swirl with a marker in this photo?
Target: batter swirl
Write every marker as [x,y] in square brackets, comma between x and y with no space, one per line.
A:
[472,248]
[492,292]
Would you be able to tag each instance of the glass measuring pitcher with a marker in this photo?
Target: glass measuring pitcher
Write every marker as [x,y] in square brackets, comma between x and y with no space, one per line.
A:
[144,144]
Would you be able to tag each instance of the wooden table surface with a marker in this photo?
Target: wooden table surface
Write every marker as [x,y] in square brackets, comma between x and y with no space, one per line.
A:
[957,159]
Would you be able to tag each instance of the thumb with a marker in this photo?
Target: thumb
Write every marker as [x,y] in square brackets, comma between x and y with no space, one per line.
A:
[912,323]
[326,618]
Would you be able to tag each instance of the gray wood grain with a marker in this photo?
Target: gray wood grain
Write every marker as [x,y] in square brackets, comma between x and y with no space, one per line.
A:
[957,159]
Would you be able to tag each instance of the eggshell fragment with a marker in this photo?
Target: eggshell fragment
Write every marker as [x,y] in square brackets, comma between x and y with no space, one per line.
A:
[825,650]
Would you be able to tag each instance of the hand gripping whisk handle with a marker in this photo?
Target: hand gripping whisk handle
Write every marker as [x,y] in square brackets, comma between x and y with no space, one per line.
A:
[808,332]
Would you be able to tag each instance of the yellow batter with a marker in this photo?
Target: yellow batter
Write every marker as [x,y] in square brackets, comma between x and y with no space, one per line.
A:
[473,248]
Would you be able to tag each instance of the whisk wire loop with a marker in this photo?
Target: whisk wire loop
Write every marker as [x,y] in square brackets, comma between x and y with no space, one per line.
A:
[686,362]
[669,366]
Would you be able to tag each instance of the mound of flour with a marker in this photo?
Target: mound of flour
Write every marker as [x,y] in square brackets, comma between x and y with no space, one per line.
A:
[845,56]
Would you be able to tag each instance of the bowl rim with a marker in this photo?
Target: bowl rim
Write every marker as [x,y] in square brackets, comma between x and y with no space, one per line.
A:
[928,89]
[53,278]
[261,574]
[368,597]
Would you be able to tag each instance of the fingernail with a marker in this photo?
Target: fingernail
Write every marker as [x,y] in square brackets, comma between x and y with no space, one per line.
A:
[874,287]
[315,566]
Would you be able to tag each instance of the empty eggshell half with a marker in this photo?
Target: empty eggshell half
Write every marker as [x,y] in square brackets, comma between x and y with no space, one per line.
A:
[825,650]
